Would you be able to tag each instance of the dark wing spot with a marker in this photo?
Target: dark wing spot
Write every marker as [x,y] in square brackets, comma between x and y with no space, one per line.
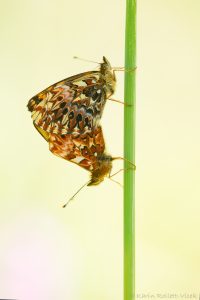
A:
[59,98]
[75,94]
[97,96]
[91,91]
[36,99]
[79,118]
[89,111]
[86,121]
[33,102]
[71,115]
[85,150]
[62,105]
[88,92]
[65,111]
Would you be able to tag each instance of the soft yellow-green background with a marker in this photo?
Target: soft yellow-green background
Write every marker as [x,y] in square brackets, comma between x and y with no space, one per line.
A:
[49,253]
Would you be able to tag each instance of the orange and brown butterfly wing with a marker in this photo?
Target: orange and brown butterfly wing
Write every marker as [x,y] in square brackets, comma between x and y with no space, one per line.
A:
[83,149]
[72,105]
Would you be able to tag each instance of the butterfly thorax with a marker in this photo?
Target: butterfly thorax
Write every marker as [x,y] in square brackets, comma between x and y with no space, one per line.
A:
[108,76]
[102,168]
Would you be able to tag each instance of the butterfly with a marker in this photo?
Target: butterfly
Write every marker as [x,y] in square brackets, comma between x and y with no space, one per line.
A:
[67,114]
[85,150]
[74,105]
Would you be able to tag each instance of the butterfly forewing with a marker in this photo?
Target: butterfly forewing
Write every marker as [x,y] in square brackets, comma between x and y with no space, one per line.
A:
[71,105]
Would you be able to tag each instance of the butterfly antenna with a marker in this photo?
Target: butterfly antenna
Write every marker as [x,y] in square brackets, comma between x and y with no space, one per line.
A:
[76,57]
[75,194]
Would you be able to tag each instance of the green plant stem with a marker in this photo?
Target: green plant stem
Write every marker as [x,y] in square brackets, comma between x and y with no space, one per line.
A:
[129,151]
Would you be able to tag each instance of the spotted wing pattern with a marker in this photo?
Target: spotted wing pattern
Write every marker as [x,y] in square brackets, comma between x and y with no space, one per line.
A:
[83,149]
[70,106]
[67,115]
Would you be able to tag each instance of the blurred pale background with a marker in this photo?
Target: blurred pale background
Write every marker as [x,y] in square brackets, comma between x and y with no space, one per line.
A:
[50,253]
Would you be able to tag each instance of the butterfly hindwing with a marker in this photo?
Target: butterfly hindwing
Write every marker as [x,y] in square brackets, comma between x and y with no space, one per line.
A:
[83,149]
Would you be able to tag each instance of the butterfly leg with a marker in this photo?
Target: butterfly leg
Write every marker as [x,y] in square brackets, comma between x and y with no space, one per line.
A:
[111,99]
[118,69]
[120,171]
[130,162]
[116,182]
[110,176]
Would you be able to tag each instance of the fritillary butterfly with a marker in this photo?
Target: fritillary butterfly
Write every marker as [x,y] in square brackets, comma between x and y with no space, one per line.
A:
[75,104]
[67,115]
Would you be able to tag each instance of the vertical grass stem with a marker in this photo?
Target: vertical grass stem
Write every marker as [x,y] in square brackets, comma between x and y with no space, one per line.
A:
[129,152]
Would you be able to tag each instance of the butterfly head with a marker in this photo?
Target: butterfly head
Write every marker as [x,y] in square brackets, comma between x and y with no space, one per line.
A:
[108,75]
[102,169]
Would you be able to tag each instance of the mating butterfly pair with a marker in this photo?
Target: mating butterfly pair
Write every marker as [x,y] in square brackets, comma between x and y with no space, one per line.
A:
[67,114]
